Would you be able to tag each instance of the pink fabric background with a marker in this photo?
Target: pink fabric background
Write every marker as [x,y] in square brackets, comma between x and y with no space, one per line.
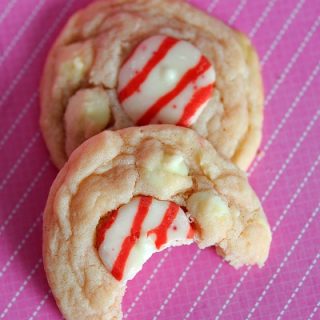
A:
[183,283]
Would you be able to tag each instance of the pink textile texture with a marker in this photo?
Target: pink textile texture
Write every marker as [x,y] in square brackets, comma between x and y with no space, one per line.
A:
[183,283]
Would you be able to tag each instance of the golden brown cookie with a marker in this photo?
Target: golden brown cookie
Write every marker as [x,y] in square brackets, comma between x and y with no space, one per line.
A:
[110,172]
[79,95]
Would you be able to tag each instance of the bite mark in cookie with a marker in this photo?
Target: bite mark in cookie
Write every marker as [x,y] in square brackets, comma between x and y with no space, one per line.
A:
[128,236]
[168,166]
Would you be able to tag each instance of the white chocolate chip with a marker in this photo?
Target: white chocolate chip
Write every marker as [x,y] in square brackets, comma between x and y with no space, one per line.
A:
[214,202]
[170,162]
[163,172]
[73,70]
[167,176]
[71,66]
[88,113]
[212,213]
[163,183]
[78,64]
[175,163]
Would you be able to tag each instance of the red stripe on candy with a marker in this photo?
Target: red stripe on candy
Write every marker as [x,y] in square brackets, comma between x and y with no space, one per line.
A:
[191,75]
[191,232]
[129,241]
[161,230]
[198,99]
[103,227]
[135,83]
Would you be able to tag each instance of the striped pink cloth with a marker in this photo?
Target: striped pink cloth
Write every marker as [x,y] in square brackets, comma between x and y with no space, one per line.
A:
[183,283]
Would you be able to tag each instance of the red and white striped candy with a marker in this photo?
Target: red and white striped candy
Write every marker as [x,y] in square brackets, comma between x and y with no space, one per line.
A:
[128,237]
[165,80]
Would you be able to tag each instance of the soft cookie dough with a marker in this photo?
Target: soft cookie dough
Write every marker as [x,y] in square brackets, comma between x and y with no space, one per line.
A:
[80,79]
[110,170]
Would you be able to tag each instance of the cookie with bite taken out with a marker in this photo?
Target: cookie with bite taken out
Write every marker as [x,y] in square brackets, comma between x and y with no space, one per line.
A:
[124,195]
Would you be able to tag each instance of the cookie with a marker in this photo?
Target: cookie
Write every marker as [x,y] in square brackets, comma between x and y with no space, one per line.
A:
[84,88]
[126,194]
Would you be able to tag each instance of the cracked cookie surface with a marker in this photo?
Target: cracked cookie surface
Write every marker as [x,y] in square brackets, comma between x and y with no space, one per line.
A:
[79,83]
[165,162]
